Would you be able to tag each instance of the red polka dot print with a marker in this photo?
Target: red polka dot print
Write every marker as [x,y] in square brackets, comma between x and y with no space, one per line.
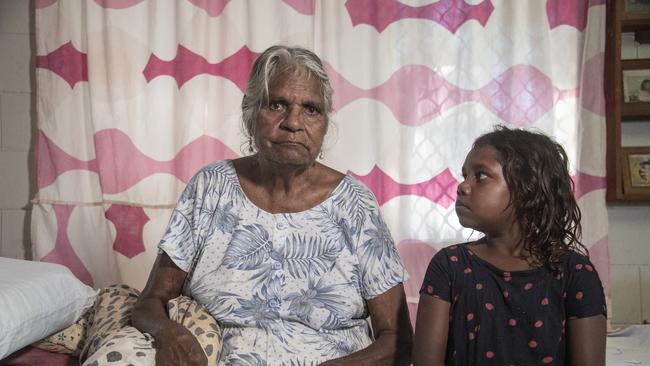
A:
[547,359]
[538,324]
[489,306]
[579,266]
[589,268]
[470,316]
[429,289]
[489,354]
[479,286]
[467,270]
[471,336]
[528,286]
[506,294]
[544,301]
[453,258]
[512,322]
[532,343]
[579,295]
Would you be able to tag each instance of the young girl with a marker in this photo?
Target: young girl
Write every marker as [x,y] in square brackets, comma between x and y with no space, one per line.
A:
[525,293]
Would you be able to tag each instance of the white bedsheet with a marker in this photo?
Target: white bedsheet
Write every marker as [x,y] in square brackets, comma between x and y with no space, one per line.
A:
[629,346]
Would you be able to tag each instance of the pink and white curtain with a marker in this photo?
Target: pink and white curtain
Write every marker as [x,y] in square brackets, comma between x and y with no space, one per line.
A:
[134,96]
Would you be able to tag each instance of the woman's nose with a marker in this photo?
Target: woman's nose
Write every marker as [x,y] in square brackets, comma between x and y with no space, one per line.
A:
[293,119]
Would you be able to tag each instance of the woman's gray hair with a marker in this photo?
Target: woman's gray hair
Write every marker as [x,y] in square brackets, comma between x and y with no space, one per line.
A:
[267,67]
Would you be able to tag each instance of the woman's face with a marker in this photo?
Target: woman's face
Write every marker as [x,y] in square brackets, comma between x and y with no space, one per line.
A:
[291,128]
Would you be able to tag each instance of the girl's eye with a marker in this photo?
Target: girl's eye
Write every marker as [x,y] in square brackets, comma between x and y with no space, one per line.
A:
[480,176]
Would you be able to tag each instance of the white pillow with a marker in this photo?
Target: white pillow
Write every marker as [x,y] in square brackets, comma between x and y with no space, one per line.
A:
[36,300]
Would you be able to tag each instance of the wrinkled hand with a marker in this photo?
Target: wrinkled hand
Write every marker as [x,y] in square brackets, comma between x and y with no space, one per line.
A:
[175,345]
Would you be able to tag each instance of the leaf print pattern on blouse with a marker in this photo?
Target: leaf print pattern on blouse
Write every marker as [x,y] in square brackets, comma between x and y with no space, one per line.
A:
[302,256]
[286,288]
[248,248]
[319,296]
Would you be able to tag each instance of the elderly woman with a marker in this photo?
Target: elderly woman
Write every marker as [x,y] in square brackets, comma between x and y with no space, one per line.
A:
[289,255]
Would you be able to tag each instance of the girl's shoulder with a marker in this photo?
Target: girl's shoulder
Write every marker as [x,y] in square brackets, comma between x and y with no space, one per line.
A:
[454,254]
[572,261]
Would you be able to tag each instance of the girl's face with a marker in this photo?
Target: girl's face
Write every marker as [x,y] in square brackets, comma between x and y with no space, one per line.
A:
[483,202]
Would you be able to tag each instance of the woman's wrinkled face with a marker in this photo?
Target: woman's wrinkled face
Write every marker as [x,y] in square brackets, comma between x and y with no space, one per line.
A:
[291,128]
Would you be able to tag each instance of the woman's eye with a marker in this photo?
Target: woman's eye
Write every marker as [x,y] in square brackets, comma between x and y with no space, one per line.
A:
[275,106]
[480,176]
[312,110]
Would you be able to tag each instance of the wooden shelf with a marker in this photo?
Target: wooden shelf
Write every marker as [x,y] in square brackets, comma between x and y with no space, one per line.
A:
[618,110]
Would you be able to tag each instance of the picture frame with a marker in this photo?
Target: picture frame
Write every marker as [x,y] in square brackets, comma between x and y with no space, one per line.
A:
[637,7]
[636,84]
[636,170]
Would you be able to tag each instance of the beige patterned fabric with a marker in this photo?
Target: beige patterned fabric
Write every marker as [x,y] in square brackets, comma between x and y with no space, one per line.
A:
[104,335]
[69,340]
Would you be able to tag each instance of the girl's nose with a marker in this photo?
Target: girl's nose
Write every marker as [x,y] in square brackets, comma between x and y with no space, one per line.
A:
[463,188]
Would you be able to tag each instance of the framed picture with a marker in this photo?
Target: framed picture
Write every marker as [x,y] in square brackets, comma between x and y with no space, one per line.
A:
[636,85]
[636,170]
[637,6]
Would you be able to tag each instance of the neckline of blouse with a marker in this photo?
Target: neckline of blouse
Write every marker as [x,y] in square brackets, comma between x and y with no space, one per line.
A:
[494,268]
[333,193]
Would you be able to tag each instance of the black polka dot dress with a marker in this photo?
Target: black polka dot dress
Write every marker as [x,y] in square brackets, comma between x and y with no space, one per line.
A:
[510,318]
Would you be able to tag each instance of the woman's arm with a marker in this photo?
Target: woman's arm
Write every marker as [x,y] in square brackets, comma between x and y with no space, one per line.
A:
[392,329]
[431,331]
[586,341]
[175,344]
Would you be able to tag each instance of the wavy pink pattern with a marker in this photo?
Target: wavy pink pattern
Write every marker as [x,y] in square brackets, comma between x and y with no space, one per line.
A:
[305,7]
[440,189]
[592,93]
[117,4]
[415,255]
[63,253]
[67,62]
[121,165]
[585,183]
[52,161]
[40,4]
[129,222]
[188,64]
[569,12]
[451,14]
[519,96]
[212,7]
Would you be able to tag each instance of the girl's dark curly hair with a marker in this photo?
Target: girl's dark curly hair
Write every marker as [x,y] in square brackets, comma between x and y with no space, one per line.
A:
[541,192]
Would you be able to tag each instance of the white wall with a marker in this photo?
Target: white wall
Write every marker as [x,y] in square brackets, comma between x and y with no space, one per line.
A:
[15,127]
[629,225]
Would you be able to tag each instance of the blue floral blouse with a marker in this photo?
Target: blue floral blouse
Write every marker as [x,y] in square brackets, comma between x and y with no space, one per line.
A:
[287,288]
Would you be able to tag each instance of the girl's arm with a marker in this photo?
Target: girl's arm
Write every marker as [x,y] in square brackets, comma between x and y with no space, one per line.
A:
[431,330]
[586,341]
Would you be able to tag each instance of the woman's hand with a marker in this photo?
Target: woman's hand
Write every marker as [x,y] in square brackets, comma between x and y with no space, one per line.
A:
[175,345]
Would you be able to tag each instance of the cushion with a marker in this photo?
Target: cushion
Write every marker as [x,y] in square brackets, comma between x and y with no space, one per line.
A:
[69,340]
[110,336]
[37,299]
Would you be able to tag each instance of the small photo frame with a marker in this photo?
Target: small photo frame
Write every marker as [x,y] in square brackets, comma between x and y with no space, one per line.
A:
[636,170]
[637,6]
[636,86]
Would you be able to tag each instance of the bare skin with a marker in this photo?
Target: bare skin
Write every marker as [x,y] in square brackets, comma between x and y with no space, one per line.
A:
[282,177]
[483,204]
